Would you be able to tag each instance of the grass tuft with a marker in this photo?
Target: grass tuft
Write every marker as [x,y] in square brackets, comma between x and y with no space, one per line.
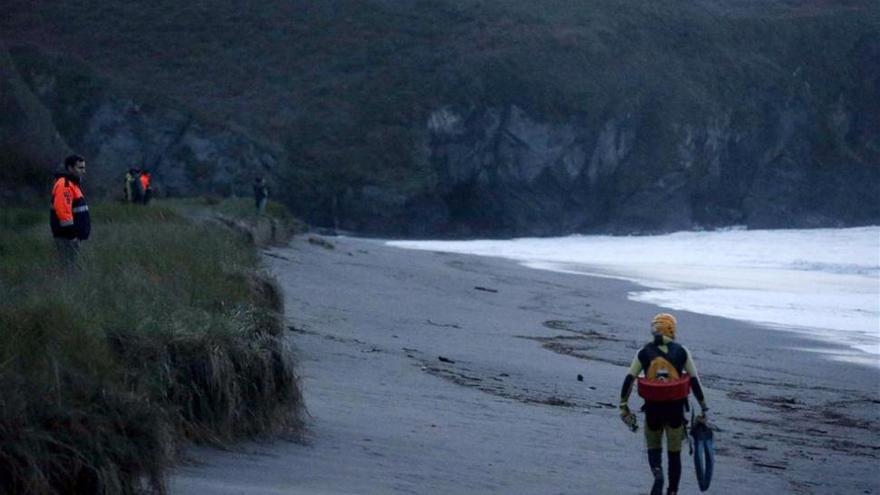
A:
[166,331]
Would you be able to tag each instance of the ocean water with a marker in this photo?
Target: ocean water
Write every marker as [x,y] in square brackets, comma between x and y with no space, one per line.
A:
[824,283]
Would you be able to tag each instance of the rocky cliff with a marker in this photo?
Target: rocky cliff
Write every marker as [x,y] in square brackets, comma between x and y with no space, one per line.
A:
[794,162]
[117,129]
[472,118]
[29,143]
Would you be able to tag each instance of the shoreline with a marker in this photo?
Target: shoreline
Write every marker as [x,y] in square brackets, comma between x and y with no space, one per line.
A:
[795,287]
[503,412]
[850,352]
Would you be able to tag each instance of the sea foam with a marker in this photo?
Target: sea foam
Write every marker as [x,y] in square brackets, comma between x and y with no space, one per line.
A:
[821,282]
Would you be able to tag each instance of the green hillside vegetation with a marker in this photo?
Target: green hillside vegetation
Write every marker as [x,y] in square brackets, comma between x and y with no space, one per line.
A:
[168,332]
[346,86]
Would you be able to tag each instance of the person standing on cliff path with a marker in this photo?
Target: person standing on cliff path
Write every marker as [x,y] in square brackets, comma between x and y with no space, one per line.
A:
[669,376]
[69,213]
[146,186]
[133,189]
[261,194]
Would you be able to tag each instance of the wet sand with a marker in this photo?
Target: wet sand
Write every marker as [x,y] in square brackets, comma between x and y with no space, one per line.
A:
[440,373]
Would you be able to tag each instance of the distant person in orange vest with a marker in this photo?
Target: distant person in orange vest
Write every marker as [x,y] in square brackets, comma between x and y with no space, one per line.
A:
[669,376]
[261,194]
[69,217]
[145,186]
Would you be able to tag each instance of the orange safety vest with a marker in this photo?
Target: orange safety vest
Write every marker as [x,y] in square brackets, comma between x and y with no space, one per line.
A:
[145,181]
[69,212]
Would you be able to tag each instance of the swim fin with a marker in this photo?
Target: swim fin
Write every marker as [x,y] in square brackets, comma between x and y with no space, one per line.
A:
[704,454]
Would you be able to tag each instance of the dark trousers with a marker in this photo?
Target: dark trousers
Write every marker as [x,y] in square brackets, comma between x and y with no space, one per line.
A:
[68,250]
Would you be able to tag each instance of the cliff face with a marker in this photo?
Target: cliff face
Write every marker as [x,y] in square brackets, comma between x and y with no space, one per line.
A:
[787,155]
[29,141]
[795,163]
[116,130]
[468,118]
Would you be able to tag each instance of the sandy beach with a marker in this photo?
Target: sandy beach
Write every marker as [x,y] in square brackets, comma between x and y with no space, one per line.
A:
[430,373]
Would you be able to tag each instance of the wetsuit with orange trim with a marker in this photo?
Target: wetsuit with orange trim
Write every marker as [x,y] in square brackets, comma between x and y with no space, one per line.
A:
[69,213]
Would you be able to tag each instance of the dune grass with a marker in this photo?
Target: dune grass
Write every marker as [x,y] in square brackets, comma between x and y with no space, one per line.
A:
[165,331]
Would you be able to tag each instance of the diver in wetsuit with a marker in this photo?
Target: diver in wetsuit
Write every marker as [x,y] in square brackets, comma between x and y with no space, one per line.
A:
[669,375]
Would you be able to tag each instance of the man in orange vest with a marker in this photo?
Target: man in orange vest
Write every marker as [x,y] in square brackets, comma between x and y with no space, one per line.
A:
[670,375]
[145,185]
[69,213]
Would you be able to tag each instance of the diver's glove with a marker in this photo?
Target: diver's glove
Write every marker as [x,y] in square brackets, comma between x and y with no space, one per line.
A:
[628,418]
[704,410]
